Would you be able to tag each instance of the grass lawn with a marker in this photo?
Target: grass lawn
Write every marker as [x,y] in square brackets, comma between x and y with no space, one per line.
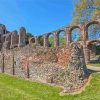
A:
[95,64]
[12,88]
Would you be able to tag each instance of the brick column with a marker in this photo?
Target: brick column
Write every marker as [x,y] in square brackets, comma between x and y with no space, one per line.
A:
[36,40]
[45,40]
[93,52]
[14,39]
[22,37]
[84,33]
[86,54]
[68,36]
[56,40]
[84,38]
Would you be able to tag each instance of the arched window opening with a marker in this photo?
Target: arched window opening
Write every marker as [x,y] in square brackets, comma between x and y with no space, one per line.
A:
[51,40]
[75,34]
[62,40]
[40,40]
[98,49]
[93,31]
[94,48]
[32,40]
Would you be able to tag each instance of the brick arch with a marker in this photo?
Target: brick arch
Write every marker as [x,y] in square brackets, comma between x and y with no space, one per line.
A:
[93,41]
[58,35]
[47,36]
[72,28]
[89,24]
[31,40]
[91,49]
[40,40]
[59,31]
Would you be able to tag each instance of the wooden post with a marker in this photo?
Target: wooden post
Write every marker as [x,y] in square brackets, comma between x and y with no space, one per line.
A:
[3,65]
[28,75]
[13,66]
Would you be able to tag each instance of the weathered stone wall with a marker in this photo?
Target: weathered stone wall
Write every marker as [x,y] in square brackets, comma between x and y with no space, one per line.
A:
[18,59]
[63,55]
[10,40]
[46,65]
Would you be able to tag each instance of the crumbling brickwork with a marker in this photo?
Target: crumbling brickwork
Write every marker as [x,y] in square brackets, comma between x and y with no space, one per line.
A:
[9,40]
[46,65]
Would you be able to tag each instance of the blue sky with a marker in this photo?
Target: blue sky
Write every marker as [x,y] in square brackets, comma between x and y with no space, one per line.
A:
[37,16]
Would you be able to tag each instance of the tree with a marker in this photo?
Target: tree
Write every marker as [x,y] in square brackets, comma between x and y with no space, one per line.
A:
[85,11]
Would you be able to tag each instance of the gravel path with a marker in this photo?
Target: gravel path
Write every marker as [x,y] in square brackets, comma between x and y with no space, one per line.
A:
[94,69]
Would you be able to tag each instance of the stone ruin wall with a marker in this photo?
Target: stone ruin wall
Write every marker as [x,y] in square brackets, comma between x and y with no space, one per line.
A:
[16,61]
[45,65]
[19,58]
[42,63]
[10,40]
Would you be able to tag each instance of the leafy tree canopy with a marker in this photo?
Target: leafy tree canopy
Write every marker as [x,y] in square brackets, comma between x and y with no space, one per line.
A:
[85,10]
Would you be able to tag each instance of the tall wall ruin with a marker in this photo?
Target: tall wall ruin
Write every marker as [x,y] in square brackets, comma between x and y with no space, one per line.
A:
[64,66]
[9,40]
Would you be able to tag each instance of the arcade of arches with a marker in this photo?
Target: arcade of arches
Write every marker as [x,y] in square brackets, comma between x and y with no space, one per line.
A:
[88,44]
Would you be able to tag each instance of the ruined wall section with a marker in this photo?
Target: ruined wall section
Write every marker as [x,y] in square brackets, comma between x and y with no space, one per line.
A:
[15,61]
[63,55]
[45,65]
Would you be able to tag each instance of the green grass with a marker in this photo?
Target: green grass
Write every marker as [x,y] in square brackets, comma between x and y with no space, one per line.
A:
[12,88]
[95,64]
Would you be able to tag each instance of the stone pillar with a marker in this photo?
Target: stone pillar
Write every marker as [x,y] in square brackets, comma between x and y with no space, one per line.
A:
[22,37]
[68,36]
[14,39]
[86,54]
[46,40]
[84,33]
[93,52]
[7,41]
[2,29]
[84,38]
[56,40]
[36,40]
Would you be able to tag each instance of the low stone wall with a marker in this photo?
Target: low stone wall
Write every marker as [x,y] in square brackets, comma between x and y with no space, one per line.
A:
[47,65]
[63,55]
[16,61]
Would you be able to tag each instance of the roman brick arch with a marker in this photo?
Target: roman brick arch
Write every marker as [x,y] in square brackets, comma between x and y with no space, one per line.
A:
[40,40]
[31,40]
[88,25]
[61,34]
[46,39]
[71,29]
[91,49]
[50,42]
[93,42]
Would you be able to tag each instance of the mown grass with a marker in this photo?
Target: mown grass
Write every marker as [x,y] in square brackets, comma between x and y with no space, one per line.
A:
[12,88]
